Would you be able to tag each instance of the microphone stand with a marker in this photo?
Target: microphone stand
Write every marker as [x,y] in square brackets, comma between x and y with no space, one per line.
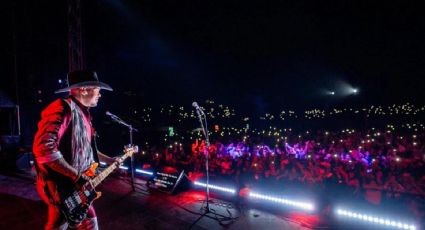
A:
[218,217]
[206,151]
[130,131]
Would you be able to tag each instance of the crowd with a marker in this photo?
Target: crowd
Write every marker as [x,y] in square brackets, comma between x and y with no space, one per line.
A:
[380,167]
[381,162]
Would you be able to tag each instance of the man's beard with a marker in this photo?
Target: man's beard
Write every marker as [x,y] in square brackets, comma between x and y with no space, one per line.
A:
[94,104]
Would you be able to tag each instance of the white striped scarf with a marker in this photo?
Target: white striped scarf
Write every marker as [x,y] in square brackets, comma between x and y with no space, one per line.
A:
[82,152]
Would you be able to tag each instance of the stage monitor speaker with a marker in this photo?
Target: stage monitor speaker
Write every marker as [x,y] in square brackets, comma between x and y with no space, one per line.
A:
[25,161]
[9,142]
[170,180]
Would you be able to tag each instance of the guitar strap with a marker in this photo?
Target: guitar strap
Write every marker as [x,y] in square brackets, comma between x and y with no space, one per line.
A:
[82,151]
[94,147]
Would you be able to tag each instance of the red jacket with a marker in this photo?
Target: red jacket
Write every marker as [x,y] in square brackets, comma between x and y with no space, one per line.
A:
[55,135]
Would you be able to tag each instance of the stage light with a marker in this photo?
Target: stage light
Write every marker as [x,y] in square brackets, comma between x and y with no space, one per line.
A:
[144,172]
[376,220]
[215,187]
[302,205]
[124,167]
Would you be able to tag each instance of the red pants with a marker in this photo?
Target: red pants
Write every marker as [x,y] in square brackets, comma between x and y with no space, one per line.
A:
[55,220]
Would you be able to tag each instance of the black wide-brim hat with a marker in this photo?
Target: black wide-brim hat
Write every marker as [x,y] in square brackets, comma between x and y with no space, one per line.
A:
[83,78]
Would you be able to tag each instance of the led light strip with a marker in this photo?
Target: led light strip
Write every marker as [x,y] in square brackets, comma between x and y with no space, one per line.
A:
[144,172]
[126,168]
[375,219]
[215,187]
[303,205]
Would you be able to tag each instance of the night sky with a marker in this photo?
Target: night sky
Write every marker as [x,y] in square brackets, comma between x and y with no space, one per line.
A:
[256,56]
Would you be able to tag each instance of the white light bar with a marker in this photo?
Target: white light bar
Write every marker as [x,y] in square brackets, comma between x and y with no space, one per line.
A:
[144,172]
[215,187]
[375,219]
[126,168]
[303,205]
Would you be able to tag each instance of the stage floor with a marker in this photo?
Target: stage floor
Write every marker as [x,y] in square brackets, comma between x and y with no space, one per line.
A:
[120,208]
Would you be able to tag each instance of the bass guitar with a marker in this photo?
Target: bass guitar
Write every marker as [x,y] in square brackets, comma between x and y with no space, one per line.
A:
[75,202]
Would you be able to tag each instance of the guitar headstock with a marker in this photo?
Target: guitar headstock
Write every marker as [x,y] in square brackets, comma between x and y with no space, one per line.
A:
[129,150]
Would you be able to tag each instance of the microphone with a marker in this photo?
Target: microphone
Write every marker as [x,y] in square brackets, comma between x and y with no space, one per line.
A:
[198,109]
[110,114]
[113,116]
[195,104]
[119,120]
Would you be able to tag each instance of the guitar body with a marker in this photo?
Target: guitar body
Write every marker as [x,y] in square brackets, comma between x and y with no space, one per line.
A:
[75,203]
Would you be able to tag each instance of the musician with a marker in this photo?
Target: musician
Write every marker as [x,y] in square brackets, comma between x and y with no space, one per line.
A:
[64,145]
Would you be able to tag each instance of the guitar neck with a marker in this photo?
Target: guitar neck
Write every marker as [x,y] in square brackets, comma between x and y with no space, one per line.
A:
[105,173]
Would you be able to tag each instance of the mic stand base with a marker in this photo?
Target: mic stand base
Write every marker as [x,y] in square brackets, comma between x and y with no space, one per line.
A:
[211,213]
